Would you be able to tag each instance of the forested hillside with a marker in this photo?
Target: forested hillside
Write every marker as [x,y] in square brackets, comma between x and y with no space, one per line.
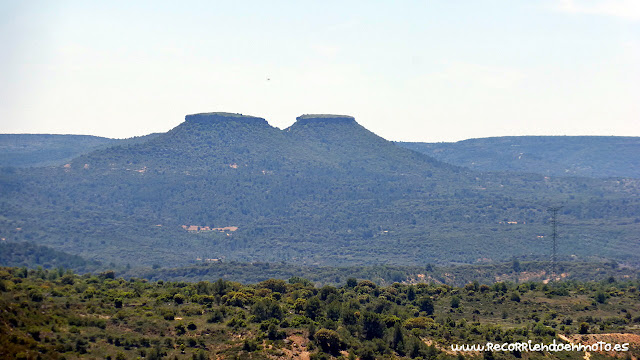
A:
[30,150]
[42,149]
[514,271]
[325,191]
[31,255]
[592,156]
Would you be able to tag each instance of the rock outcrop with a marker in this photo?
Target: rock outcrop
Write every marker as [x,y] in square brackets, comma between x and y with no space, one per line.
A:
[310,119]
[223,117]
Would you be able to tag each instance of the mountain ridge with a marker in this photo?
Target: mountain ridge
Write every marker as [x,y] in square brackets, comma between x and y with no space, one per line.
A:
[590,156]
[330,193]
[587,156]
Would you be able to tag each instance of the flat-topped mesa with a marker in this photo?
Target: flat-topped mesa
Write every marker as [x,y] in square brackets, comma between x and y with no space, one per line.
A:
[223,117]
[310,119]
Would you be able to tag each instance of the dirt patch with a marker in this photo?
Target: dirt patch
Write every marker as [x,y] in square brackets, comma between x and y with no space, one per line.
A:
[297,348]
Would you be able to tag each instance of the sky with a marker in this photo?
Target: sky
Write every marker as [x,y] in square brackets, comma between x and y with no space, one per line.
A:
[407,70]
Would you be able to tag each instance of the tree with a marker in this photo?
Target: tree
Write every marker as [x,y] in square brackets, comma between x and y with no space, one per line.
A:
[273,333]
[398,338]
[328,340]
[275,285]
[455,302]
[426,305]
[220,287]
[300,280]
[411,293]
[367,353]
[313,308]
[372,325]
[109,274]
[312,331]
[516,266]
[266,309]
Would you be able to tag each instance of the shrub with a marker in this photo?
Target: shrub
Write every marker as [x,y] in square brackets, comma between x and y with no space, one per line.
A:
[455,302]
[328,340]
[584,328]
[216,316]
[168,314]
[250,345]
[180,329]
[420,322]
[275,285]
[178,298]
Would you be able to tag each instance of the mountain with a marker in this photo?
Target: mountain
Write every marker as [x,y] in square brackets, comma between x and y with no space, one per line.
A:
[32,150]
[25,150]
[325,191]
[591,156]
[204,143]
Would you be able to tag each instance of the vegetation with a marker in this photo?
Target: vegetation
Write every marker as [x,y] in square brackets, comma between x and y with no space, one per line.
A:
[320,193]
[24,150]
[388,274]
[592,156]
[34,150]
[56,314]
[228,238]
[26,254]
[30,255]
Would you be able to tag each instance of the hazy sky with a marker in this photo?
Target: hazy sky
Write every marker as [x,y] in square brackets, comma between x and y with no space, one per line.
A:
[407,70]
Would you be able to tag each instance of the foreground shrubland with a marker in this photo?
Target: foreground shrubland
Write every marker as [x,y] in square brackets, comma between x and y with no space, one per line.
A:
[54,314]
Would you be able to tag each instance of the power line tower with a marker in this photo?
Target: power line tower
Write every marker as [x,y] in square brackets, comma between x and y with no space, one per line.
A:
[554,236]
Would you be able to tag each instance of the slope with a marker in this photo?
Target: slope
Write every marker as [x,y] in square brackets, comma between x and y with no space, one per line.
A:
[324,191]
[592,156]
[43,149]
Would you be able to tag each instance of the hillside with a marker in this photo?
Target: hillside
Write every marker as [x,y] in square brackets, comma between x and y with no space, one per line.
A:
[23,150]
[26,254]
[324,191]
[32,150]
[591,156]
[514,271]
[56,314]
